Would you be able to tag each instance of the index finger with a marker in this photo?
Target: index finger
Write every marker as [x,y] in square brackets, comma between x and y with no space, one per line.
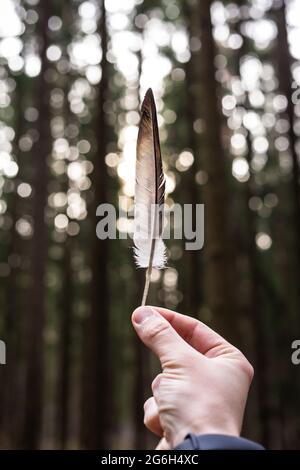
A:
[197,334]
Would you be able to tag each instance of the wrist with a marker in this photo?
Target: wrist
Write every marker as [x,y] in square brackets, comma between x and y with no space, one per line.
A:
[219,420]
[224,427]
[199,429]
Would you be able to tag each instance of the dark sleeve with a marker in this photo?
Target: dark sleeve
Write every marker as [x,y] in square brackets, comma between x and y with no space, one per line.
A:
[217,442]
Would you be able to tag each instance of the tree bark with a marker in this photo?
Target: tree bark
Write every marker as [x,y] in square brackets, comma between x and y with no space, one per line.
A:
[194,286]
[97,399]
[285,77]
[64,349]
[10,390]
[256,316]
[36,310]
[219,276]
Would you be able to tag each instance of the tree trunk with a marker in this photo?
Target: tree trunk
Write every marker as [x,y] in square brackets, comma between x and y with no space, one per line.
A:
[257,339]
[10,373]
[36,298]
[218,258]
[65,307]
[97,399]
[64,350]
[285,78]
[285,86]
[256,317]
[194,286]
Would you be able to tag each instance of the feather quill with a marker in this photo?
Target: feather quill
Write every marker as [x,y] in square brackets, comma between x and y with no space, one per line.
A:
[149,249]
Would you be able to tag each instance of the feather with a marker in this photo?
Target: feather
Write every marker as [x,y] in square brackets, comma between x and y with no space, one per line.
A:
[149,250]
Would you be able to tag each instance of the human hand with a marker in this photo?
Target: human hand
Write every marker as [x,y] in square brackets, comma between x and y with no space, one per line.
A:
[204,382]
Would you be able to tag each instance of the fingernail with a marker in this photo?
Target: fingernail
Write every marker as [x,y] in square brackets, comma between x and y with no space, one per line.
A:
[142,313]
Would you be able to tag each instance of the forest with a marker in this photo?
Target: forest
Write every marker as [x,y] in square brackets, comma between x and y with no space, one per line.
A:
[226,81]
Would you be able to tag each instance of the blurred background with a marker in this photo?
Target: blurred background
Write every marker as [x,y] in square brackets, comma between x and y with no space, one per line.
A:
[226,77]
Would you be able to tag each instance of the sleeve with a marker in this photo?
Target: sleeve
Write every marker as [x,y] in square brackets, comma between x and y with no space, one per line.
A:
[217,442]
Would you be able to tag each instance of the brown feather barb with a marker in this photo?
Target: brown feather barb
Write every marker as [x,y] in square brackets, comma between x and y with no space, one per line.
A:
[150,250]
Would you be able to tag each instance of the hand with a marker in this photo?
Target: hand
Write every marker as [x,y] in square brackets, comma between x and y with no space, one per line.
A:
[204,382]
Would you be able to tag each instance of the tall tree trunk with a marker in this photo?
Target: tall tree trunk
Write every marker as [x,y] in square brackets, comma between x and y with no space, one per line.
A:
[64,349]
[65,307]
[257,340]
[10,374]
[285,78]
[256,315]
[194,286]
[36,306]
[97,397]
[218,258]
[285,86]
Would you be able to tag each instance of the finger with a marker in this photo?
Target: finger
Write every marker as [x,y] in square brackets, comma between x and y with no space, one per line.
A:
[163,445]
[151,417]
[197,334]
[156,332]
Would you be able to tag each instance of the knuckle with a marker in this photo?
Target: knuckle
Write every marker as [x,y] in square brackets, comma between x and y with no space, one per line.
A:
[147,404]
[155,382]
[247,368]
[244,365]
[154,329]
[250,371]
[146,420]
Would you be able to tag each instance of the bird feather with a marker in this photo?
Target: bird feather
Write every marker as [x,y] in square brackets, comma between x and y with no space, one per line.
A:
[149,250]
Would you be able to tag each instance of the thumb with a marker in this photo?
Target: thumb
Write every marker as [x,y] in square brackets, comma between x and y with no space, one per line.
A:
[157,334]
